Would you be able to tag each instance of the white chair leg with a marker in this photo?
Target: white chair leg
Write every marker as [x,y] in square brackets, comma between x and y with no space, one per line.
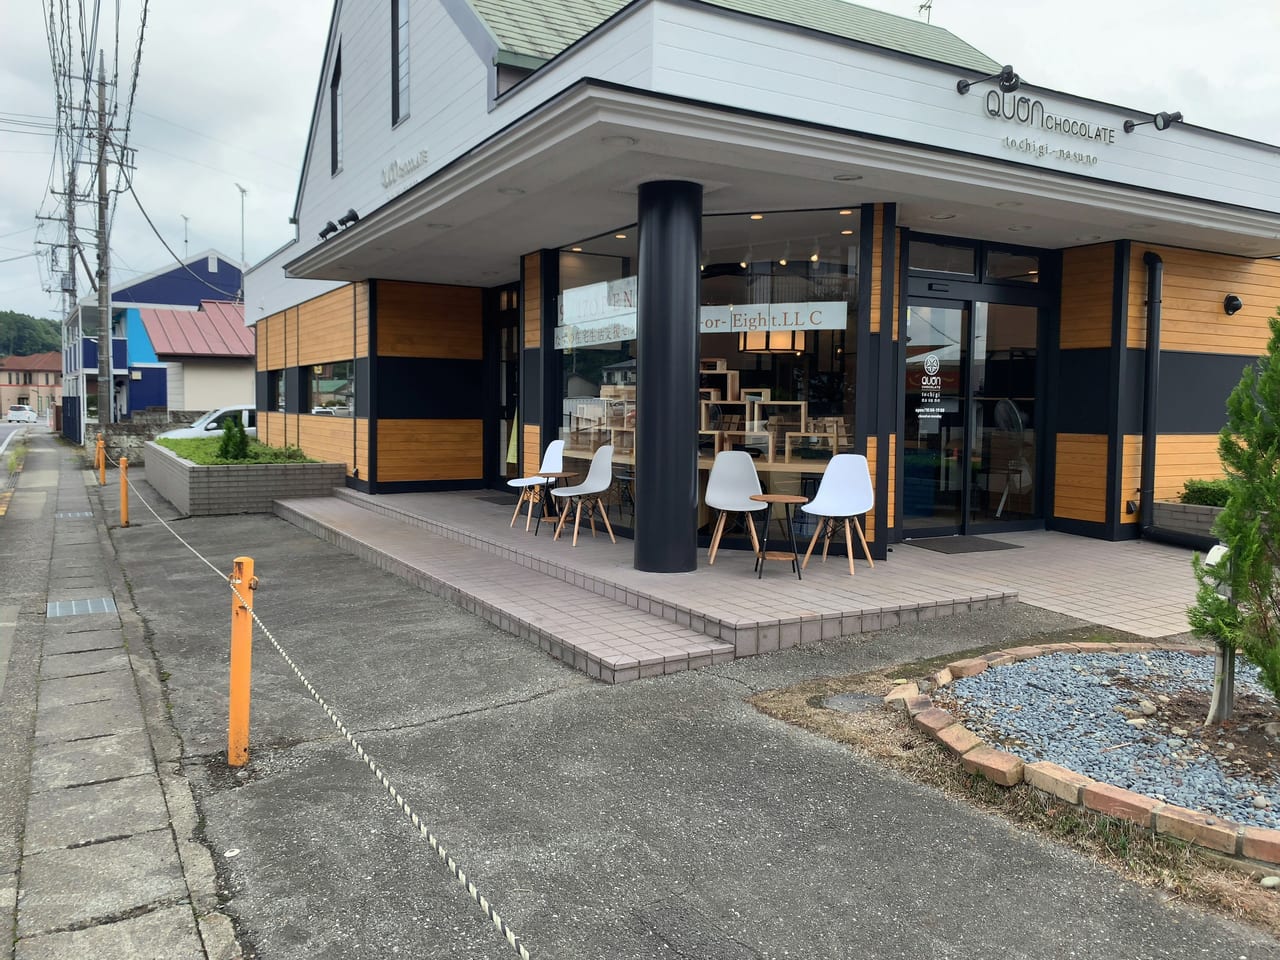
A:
[519,504]
[564,515]
[751,528]
[577,519]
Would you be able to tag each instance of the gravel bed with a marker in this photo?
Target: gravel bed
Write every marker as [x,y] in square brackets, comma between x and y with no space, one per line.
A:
[1086,712]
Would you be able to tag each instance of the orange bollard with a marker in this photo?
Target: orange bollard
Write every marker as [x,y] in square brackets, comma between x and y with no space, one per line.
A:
[100,461]
[124,491]
[242,579]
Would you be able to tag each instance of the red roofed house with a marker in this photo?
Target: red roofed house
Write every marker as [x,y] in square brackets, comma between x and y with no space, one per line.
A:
[187,359]
[35,380]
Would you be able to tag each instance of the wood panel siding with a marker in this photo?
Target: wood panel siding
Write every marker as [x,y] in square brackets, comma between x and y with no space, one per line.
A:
[872,276]
[417,450]
[333,439]
[531,301]
[326,328]
[1191,314]
[532,449]
[272,353]
[1087,288]
[429,320]
[1184,456]
[362,319]
[1080,477]
[1130,477]
[892,510]
[869,524]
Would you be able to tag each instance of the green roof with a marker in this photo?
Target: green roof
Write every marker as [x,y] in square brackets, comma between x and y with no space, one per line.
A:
[541,29]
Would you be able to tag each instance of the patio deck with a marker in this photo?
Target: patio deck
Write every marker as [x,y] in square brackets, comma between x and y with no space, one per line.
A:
[588,607]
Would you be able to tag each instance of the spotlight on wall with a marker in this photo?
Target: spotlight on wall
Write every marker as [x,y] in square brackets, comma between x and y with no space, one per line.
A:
[328,229]
[1007,80]
[1231,304]
[1161,121]
[348,218]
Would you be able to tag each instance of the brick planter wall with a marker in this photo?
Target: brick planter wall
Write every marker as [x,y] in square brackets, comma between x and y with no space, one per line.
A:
[206,491]
[1188,520]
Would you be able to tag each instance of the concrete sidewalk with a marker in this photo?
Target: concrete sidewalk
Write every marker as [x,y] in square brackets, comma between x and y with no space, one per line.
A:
[664,817]
[98,855]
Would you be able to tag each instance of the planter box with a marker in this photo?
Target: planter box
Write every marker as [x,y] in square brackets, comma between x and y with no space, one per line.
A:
[1187,522]
[250,488]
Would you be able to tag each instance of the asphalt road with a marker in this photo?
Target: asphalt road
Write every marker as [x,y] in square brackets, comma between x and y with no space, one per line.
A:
[661,818]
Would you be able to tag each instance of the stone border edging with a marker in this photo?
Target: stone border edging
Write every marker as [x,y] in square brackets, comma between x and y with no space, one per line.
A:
[1222,836]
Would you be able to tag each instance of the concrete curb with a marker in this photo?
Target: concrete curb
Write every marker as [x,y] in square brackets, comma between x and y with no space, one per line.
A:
[1248,846]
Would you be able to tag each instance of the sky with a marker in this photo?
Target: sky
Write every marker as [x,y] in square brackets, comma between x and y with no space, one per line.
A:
[225,93]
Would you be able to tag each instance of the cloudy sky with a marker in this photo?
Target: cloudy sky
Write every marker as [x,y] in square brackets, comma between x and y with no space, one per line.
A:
[225,93]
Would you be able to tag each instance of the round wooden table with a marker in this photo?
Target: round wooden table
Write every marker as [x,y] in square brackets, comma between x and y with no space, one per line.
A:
[788,500]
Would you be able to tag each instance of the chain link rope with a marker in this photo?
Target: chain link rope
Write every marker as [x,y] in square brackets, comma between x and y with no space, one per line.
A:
[444,856]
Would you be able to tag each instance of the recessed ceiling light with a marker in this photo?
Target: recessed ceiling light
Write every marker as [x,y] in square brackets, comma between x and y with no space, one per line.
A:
[846,213]
[619,141]
[619,236]
[511,191]
[846,233]
[1019,228]
[757,216]
[782,262]
[575,249]
[942,216]
[1009,204]
[847,177]
[814,258]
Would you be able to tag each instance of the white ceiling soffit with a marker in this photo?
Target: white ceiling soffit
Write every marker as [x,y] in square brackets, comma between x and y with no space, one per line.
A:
[566,172]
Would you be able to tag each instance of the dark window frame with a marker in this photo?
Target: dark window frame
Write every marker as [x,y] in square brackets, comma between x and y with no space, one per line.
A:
[335,116]
[399,61]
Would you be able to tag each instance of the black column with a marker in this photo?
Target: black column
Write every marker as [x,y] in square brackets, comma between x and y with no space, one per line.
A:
[670,223]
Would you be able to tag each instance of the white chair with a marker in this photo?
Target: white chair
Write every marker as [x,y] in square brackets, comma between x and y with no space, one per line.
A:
[844,494]
[730,486]
[530,487]
[599,479]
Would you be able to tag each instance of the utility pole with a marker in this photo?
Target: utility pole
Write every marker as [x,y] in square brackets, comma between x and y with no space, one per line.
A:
[243,191]
[106,382]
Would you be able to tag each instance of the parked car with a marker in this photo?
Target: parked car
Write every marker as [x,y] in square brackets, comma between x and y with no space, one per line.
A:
[21,413]
[210,425]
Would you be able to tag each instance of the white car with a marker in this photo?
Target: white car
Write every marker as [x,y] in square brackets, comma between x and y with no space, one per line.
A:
[21,413]
[210,425]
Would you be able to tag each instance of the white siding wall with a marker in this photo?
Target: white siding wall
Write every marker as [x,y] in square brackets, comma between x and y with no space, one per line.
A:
[213,384]
[175,386]
[267,290]
[740,62]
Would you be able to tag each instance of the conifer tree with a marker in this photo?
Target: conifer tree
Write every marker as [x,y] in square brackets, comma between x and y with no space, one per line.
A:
[1238,601]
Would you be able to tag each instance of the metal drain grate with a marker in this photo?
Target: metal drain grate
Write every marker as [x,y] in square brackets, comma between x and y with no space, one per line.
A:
[72,514]
[75,608]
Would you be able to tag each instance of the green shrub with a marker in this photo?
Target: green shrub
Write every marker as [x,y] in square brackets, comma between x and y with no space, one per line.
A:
[206,452]
[235,442]
[1205,493]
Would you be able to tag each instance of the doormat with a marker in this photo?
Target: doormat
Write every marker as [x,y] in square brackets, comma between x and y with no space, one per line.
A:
[501,499]
[962,544]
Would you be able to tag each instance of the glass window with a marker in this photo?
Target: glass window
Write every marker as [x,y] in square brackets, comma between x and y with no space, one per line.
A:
[933,256]
[1016,267]
[331,388]
[335,115]
[399,60]
[777,346]
[275,390]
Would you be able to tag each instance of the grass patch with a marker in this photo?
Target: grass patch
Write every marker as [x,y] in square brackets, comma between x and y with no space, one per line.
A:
[17,456]
[204,452]
[1177,869]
